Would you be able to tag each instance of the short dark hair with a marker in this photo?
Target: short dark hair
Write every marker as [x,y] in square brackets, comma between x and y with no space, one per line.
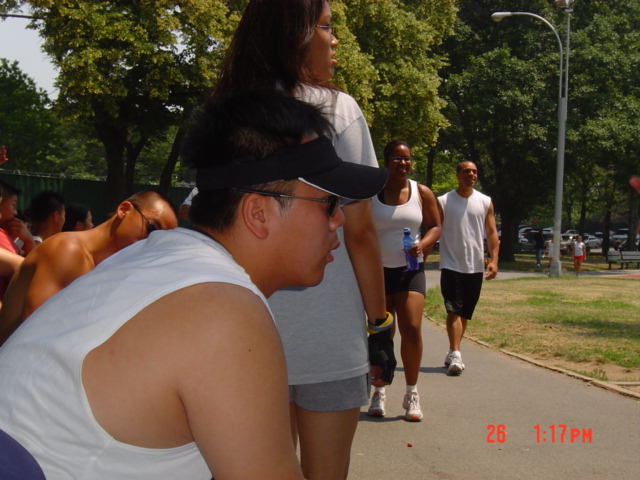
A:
[74,213]
[270,45]
[389,147]
[8,190]
[43,205]
[459,165]
[245,127]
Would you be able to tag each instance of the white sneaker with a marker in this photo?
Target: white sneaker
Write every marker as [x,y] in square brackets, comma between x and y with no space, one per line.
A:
[456,366]
[411,404]
[447,359]
[376,409]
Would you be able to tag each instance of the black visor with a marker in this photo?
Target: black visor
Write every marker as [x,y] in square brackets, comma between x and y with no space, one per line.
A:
[314,162]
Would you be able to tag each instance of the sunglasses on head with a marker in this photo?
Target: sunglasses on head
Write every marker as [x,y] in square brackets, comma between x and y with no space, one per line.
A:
[150,226]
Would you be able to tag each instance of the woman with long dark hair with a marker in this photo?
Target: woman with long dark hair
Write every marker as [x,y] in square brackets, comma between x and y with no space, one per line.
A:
[290,45]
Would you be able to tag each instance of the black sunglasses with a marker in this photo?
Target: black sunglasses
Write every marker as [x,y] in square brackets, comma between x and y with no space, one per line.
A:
[151,227]
[332,201]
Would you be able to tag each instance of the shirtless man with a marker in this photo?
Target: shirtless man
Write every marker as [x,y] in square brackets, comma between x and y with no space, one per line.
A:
[164,362]
[65,256]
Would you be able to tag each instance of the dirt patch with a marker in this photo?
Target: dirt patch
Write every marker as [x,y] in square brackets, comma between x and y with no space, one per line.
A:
[600,371]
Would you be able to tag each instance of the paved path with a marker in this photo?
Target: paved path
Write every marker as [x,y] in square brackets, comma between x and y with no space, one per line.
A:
[453,441]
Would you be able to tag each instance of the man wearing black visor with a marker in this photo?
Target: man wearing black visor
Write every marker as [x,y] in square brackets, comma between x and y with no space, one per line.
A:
[150,365]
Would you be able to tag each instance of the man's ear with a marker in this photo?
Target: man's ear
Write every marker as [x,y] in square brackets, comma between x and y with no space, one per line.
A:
[256,211]
[124,208]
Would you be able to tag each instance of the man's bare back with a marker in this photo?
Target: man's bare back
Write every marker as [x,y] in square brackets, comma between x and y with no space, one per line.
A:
[62,258]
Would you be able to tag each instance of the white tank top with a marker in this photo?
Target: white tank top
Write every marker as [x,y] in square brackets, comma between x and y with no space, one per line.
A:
[43,402]
[463,231]
[391,219]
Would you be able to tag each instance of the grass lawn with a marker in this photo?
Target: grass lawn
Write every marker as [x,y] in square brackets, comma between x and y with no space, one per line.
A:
[588,325]
[526,262]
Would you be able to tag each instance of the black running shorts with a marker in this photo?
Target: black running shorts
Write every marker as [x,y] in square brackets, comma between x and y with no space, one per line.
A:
[460,291]
[399,279]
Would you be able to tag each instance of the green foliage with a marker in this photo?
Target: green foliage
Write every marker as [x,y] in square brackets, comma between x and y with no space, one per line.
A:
[605,100]
[7,6]
[399,38]
[28,127]
[131,68]
[502,88]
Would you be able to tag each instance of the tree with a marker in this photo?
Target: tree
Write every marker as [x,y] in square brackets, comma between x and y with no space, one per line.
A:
[606,110]
[28,127]
[502,109]
[502,91]
[400,38]
[131,68]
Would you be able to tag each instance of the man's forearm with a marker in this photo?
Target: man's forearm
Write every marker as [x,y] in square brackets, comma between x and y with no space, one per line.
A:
[364,252]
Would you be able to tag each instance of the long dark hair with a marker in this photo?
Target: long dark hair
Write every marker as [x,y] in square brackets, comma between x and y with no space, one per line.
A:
[270,45]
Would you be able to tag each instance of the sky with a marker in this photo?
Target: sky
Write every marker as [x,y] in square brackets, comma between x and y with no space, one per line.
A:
[24,45]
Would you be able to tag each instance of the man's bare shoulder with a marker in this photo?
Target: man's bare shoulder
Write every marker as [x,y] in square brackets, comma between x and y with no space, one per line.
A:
[63,247]
[59,260]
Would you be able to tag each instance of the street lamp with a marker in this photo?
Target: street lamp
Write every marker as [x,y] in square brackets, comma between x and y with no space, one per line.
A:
[555,269]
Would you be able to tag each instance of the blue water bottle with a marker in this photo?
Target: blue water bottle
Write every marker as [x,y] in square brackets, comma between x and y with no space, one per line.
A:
[407,243]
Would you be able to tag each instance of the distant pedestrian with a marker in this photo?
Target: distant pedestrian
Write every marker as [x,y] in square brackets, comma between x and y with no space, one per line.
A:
[467,218]
[579,254]
[538,240]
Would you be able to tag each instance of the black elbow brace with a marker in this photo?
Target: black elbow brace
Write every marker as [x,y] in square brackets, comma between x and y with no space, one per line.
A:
[381,351]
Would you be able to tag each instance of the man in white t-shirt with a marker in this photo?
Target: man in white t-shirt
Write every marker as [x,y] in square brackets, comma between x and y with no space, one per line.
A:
[467,219]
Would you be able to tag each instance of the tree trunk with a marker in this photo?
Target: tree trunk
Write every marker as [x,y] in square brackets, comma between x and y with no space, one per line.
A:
[583,209]
[606,242]
[167,172]
[633,220]
[568,207]
[508,237]
[114,155]
[133,152]
[429,167]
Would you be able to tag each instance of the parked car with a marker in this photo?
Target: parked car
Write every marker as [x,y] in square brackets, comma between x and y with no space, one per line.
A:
[591,241]
[566,243]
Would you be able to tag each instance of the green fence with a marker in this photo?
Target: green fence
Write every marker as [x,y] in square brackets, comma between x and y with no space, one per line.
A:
[90,193]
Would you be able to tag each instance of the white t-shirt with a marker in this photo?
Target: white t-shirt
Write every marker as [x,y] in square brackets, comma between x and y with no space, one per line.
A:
[391,219]
[323,328]
[44,405]
[578,248]
[463,231]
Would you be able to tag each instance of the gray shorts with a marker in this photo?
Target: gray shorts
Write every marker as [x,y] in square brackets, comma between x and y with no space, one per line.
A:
[331,396]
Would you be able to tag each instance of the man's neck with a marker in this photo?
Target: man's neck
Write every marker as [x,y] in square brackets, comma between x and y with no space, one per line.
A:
[244,252]
[464,191]
[100,241]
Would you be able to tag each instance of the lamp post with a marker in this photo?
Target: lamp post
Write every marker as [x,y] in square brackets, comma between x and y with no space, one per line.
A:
[555,269]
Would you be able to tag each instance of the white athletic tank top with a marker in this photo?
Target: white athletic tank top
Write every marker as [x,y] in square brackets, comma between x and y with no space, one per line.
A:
[43,402]
[463,231]
[391,219]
